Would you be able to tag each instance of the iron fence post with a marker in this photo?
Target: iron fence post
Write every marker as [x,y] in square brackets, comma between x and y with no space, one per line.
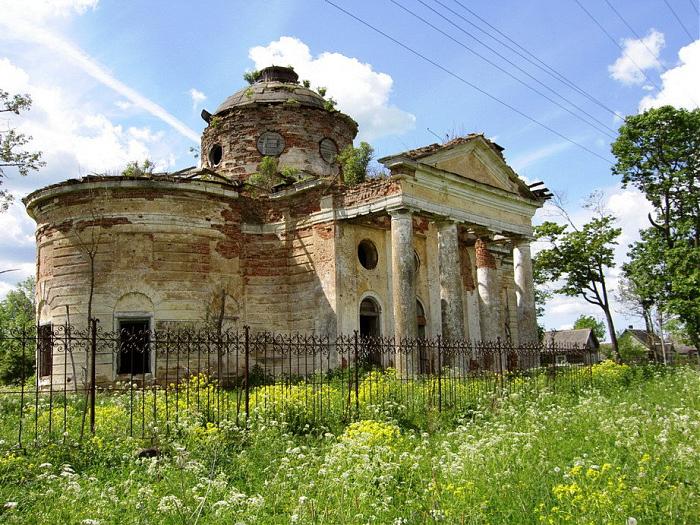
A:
[93,355]
[439,352]
[357,378]
[247,372]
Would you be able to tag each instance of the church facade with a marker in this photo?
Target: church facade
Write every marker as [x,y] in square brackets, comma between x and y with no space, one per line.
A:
[438,247]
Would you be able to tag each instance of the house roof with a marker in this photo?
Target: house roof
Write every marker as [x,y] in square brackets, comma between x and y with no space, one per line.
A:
[644,337]
[579,337]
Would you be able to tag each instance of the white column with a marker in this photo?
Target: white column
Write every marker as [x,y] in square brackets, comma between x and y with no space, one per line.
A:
[524,291]
[403,285]
[489,293]
[452,307]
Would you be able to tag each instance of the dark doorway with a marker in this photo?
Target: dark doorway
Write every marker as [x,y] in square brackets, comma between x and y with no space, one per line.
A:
[134,347]
[424,363]
[370,331]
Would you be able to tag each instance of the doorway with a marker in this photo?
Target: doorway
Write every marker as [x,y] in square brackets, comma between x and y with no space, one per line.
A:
[370,331]
[424,362]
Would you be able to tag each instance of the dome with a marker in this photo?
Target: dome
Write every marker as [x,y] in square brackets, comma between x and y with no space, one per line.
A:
[276,85]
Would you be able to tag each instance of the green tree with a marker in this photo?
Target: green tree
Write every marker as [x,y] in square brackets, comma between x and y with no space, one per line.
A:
[17,316]
[354,162]
[12,153]
[588,321]
[575,261]
[657,153]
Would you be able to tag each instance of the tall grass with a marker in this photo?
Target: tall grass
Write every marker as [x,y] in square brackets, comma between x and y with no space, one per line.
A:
[621,451]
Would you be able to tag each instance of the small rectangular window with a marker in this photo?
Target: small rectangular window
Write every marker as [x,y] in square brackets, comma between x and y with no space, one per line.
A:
[134,347]
[44,342]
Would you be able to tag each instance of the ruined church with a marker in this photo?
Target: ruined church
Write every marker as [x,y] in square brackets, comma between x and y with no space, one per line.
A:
[438,246]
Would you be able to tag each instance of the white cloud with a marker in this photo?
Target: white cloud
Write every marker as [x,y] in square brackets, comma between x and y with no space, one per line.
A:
[679,84]
[72,138]
[17,27]
[197,97]
[637,56]
[360,91]
[41,9]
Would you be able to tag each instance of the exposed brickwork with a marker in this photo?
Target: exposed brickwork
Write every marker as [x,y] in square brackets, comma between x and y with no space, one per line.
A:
[366,192]
[484,258]
[231,228]
[302,128]
[466,269]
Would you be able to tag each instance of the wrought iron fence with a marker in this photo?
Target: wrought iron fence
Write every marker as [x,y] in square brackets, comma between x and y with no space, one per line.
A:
[141,383]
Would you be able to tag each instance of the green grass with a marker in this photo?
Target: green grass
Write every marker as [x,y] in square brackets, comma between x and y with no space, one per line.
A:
[626,449]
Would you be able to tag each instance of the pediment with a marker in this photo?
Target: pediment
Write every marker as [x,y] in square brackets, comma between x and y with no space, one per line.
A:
[475,161]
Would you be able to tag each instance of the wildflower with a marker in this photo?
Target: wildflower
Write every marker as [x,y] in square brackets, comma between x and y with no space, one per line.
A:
[631,521]
[45,465]
[90,521]
[10,505]
[169,503]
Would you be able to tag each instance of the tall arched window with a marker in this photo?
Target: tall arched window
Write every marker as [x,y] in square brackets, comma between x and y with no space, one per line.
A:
[370,329]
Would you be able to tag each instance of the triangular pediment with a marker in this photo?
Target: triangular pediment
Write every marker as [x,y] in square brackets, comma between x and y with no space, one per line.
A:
[476,161]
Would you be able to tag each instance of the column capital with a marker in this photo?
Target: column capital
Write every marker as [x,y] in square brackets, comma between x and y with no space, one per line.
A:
[401,211]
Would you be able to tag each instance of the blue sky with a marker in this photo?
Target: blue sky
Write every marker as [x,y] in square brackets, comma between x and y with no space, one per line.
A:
[119,81]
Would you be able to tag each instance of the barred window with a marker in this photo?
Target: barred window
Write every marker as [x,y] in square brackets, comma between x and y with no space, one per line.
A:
[44,343]
[134,347]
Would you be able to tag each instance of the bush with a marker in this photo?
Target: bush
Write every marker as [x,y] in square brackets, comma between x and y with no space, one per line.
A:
[354,162]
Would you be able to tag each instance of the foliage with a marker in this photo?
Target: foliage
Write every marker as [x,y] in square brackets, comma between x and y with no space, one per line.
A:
[619,453]
[267,175]
[17,314]
[329,105]
[321,91]
[354,162]
[588,321]
[656,152]
[134,169]
[306,83]
[251,76]
[12,153]
[577,260]
[631,351]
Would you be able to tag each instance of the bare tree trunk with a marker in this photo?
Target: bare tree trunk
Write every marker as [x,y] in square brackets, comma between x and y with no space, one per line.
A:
[660,318]
[613,335]
[72,357]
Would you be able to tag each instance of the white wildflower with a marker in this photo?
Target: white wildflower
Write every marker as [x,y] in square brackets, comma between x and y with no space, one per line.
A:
[631,521]
[90,521]
[10,505]
[169,503]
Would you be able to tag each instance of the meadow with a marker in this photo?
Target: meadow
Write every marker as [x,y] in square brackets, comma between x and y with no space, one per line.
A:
[622,451]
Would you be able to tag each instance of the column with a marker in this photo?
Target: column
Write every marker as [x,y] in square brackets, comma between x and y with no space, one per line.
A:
[524,291]
[403,285]
[489,292]
[452,308]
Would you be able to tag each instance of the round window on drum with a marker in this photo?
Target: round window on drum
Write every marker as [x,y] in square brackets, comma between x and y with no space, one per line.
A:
[216,153]
[270,144]
[329,150]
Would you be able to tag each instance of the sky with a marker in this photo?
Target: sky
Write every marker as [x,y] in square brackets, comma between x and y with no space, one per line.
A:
[114,82]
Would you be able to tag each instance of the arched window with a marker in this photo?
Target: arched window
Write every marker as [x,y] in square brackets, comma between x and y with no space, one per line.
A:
[370,329]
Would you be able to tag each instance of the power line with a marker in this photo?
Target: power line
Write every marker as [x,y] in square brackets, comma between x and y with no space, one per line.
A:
[695,8]
[535,90]
[465,81]
[679,20]
[595,20]
[537,61]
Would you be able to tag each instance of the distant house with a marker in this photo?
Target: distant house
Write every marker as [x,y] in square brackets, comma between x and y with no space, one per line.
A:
[583,338]
[646,343]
